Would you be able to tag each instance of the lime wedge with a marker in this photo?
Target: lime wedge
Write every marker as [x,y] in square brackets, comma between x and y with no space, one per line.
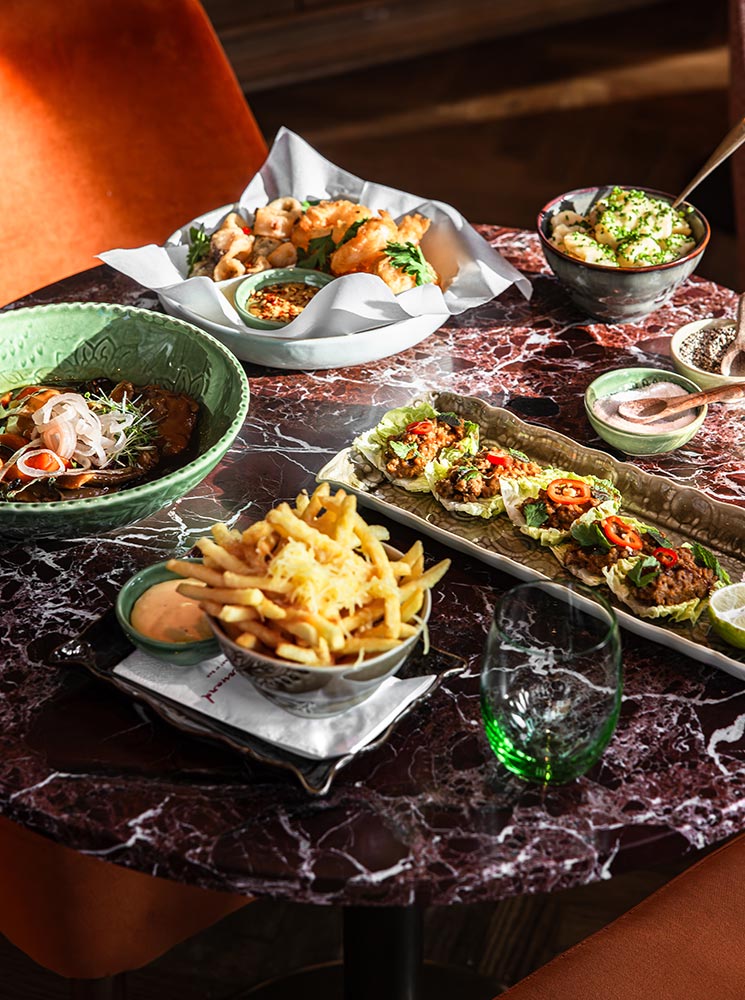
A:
[727,613]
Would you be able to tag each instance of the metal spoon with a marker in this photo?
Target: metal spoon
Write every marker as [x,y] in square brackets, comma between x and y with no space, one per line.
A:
[726,148]
[644,411]
[733,359]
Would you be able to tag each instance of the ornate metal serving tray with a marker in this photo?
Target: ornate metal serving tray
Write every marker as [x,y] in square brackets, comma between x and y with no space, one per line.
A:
[103,645]
[683,513]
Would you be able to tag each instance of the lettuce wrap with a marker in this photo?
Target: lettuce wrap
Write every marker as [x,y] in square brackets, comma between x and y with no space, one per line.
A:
[516,491]
[488,507]
[374,444]
[629,575]
[590,535]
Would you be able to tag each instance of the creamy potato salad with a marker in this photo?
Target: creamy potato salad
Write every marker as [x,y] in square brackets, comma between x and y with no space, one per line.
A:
[626,228]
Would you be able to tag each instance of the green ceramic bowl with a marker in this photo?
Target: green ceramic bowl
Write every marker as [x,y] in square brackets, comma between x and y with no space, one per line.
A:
[638,442]
[276,276]
[182,654]
[86,340]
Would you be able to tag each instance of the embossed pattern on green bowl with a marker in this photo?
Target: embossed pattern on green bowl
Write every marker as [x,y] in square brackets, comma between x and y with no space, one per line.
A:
[83,340]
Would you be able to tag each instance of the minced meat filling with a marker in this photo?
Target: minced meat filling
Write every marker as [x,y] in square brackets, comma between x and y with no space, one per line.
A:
[561,515]
[422,447]
[474,477]
[594,560]
[684,581]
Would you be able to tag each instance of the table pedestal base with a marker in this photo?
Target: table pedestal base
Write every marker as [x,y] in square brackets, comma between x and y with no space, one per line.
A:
[438,982]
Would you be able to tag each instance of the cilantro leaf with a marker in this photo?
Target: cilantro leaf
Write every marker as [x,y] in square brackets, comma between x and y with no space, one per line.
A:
[199,246]
[463,475]
[590,536]
[657,537]
[408,257]
[402,450]
[451,419]
[305,205]
[316,257]
[535,514]
[644,572]
[518,454]
[703,557]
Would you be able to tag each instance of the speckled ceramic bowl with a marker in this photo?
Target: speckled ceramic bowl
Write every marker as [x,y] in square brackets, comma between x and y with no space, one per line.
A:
[703,379]
[83,340]
[276,276]
[617,294]
[180,654]
[319,691]
[639,443]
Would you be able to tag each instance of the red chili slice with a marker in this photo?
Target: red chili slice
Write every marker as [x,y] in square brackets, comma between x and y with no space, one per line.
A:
[493,459]
[246,230]
[620,533]
[568,491]
[420,427]
[666,557]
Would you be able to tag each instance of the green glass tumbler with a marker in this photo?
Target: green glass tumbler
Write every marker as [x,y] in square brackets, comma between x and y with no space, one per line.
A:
[551,680]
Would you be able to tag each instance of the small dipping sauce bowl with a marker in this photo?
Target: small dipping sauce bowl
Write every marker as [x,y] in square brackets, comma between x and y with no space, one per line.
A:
[182,654]
[695,334]
[254,283]
[641,439]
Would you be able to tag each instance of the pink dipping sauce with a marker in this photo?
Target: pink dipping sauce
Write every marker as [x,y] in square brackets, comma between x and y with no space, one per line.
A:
[606,408]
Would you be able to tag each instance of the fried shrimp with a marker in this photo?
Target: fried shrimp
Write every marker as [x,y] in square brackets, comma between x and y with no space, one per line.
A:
[362,252]
[327,218]
[411,228]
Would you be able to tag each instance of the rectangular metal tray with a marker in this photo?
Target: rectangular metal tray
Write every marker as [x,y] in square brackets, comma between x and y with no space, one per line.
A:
[683,513]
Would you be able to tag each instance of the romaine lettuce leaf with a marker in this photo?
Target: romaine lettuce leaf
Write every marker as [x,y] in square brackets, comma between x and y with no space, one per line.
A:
[372,444]
[616,578]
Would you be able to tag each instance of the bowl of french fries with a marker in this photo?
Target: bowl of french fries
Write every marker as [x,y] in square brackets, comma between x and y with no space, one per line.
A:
[310,603]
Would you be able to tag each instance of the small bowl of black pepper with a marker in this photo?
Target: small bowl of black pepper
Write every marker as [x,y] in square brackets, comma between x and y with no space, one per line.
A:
[698,348]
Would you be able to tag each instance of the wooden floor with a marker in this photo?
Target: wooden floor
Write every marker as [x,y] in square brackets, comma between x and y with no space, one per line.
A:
[496,129]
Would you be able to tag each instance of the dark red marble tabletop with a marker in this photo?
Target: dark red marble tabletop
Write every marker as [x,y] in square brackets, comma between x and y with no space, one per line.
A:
[430,817]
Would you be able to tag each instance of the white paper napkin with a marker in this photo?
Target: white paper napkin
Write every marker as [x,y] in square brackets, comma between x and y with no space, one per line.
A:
[215,689]
[472,272]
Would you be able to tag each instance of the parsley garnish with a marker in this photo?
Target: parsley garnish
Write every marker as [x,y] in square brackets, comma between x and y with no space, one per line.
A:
[590,536]
[316,257]
[402,450]
[518,454]
[535,514]
[199,245]
[705,558]
[644,571]
[408,257]
[351,232]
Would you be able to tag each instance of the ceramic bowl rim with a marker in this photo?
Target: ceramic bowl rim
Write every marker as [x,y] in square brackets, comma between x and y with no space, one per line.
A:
[305,275]
[676,340]
[667,435]
[549,209]
[139,637]
[178,475]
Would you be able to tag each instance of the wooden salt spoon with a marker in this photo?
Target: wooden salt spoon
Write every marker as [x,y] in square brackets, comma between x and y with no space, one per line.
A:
[644,411]
[733,359]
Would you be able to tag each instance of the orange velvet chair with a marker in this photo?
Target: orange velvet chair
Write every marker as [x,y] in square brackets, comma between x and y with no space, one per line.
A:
[119,122]
[681,943]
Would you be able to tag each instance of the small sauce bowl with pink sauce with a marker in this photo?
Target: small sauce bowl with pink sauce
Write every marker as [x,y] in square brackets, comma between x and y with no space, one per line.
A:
[603,396]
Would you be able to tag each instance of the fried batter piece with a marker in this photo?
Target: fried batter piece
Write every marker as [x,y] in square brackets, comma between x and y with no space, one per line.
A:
[328,218]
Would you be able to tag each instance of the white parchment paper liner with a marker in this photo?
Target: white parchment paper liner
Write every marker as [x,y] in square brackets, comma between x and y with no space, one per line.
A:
[215,689]
[471,271]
